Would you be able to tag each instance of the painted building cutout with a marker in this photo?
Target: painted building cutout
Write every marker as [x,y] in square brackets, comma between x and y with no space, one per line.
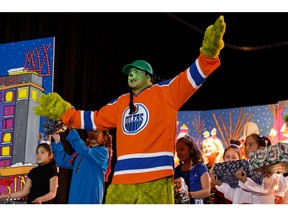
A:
[26,71]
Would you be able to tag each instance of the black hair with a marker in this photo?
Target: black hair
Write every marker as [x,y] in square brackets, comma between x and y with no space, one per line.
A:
[151,76]
[156,78]
[235,142]
[47,147]
[261,140]
[195,152]
[266,140]
[131,104]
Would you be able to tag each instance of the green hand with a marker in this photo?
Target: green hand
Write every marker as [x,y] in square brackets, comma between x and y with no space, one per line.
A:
[51,106]
[213,42]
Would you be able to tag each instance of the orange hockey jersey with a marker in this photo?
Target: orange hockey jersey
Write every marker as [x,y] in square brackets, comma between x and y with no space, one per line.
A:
[145,139]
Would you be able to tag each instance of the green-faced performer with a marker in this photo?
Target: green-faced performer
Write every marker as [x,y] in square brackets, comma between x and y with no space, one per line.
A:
[146,123]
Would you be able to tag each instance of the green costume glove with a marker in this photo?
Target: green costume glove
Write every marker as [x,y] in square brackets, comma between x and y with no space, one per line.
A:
[213,42]
[51,106]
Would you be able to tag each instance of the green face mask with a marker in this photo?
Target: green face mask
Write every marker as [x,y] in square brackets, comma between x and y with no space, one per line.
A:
[138,80]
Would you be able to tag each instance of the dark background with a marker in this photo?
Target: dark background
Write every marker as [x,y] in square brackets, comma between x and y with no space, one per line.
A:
[92,48]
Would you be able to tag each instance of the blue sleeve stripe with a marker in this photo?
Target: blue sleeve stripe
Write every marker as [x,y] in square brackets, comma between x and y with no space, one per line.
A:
[87,120]
[112,101]
[199,69]
[195,75]
[115,100]
[164,83]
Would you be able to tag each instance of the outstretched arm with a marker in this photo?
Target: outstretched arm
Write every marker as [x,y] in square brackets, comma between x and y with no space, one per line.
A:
[212,44]
[18,194]
[54,107]
[51,106]
[61,157]
[213,38]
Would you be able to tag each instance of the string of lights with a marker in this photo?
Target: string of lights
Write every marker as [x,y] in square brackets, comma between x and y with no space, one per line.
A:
[231,46]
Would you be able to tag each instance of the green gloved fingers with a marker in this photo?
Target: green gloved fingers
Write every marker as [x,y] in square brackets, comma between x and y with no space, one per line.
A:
[213,38]
[51,106]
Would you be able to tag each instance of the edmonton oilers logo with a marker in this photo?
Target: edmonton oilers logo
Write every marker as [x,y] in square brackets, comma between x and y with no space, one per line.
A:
[135,122]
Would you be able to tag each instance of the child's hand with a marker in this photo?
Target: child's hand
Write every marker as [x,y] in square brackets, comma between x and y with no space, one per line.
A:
[4,197]
[214,180]
[56,137]
[241,175]
[37,201]
[266,174]
[177,184]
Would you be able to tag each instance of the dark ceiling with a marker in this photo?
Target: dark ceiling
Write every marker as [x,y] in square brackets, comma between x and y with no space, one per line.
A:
[92,48]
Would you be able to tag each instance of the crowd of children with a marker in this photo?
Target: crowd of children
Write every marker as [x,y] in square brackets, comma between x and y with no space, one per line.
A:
[248,191]
[272,189]
[191,174]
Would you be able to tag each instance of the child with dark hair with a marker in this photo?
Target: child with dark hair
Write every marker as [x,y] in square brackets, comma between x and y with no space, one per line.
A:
[231,153]
[42,181]
[89,164]
[255,141]
[192,169]
[248,190]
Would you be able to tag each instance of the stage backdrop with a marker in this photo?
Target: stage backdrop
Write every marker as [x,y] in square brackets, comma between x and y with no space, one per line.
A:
[26,71]
[236,123]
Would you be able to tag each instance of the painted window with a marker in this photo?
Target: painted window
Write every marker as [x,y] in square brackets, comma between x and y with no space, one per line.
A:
[22,93]
[9,110]
[6,151]
[7,123]
[9,96]
[34,94]
[6,137]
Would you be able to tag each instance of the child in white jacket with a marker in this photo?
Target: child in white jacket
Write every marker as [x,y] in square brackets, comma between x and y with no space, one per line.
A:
[282,189]
[248,190]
